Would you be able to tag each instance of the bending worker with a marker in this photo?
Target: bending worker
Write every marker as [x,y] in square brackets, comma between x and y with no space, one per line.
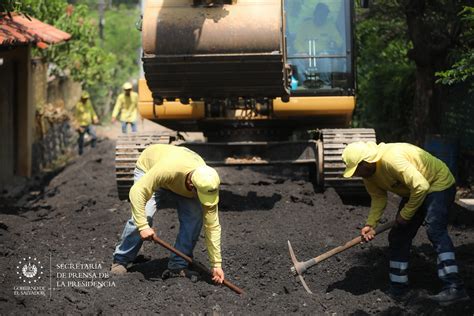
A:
[127,107]
[428,188]
[194,186]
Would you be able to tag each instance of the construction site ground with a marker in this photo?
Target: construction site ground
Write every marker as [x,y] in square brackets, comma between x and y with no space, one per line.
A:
[69,222]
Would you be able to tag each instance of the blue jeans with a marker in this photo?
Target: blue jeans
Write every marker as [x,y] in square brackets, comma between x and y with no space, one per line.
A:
[190,224]
[133,125]
[80,142]
[434,214]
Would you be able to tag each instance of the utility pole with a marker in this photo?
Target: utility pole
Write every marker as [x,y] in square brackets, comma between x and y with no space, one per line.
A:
[101,21]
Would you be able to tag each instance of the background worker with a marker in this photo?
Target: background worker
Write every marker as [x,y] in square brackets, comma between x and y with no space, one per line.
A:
[428,188]
[127,107]
[184,176]
[318,36]
[85,116]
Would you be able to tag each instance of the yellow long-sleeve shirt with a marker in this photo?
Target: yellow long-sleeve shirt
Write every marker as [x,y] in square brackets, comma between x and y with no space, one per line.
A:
[408,171]
[84,113]
[326,37]
[127,106]
[166,167]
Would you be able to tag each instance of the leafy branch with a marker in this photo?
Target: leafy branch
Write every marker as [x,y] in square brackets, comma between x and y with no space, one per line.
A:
[463,67]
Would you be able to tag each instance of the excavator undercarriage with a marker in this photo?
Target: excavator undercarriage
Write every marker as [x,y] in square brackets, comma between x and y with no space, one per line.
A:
[321,156]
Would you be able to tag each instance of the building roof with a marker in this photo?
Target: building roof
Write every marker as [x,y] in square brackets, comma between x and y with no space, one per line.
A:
[19,30]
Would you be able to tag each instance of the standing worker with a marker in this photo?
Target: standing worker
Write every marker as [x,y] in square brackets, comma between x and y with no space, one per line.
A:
[85,115]
[428,188]
[185,177]
[127,107]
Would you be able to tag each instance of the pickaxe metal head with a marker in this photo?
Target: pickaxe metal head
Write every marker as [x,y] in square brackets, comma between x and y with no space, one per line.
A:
[297,269]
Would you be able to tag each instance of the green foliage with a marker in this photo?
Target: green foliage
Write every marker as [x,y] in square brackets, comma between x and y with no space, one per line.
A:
[100,65]
[463,66]
[16,6]
[385,76]
[87,62]
[109,3]
[80,57]
[123,40]
[45,10]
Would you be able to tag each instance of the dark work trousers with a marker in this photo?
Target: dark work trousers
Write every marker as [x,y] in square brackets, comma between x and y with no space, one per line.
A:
[434,214]
[80,142]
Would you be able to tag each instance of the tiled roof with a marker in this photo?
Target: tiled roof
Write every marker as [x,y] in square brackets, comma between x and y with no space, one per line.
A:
[19,30]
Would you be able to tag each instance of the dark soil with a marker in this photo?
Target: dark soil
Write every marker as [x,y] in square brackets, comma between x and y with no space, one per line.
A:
[77,218]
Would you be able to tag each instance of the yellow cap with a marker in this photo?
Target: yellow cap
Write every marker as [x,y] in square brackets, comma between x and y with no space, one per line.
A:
[206,181]
[85,95]
[127,86]
[356,152]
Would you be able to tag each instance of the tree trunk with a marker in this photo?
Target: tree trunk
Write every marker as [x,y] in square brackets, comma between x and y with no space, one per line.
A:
[423,104]
[431,43]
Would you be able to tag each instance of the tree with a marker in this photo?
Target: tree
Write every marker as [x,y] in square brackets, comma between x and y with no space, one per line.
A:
[462,69]
[434,28]
[81,57]
[384,73]
[404,42]
[122,39]
[101,67]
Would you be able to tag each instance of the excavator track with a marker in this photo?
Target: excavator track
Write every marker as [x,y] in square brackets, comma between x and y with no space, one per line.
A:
[329,173]
[334,142]
[128,150]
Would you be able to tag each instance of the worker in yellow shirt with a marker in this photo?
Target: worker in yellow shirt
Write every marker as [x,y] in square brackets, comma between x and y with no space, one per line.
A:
[427,188]
[182,174]
[317,37]
[85,116]
[126,108]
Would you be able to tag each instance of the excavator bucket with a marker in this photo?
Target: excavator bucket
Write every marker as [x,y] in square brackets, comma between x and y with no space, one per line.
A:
[214,50]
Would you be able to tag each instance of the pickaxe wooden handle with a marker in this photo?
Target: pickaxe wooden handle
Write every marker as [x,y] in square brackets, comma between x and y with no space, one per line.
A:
[303,266]
[196,264]
[300,267]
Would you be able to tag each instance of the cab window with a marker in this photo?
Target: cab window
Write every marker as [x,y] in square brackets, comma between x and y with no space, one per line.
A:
[318,45]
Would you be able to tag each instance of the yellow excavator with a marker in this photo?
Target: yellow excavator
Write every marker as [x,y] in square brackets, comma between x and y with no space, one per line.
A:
[250,75]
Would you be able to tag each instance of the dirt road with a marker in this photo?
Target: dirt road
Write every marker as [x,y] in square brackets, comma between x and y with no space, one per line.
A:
[67,230]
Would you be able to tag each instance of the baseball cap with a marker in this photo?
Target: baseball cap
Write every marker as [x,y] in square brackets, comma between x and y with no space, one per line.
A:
[206,181]
[127,86]
[356,152]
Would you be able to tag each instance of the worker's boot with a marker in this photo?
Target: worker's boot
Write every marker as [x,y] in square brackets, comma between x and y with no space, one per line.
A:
[118,269]
[450,296]
[183,273]
[398,292]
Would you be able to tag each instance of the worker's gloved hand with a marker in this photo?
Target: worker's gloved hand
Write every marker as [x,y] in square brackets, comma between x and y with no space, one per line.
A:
[147,234]
[217,275]
[367,233]
[401,220]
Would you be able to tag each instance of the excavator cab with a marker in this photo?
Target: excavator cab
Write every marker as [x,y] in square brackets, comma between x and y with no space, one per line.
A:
[319,47]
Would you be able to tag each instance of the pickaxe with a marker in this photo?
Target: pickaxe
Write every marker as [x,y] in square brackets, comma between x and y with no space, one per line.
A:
[299,268]
[196,264]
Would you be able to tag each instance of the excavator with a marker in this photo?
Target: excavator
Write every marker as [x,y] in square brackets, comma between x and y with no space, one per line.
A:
[253,76]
